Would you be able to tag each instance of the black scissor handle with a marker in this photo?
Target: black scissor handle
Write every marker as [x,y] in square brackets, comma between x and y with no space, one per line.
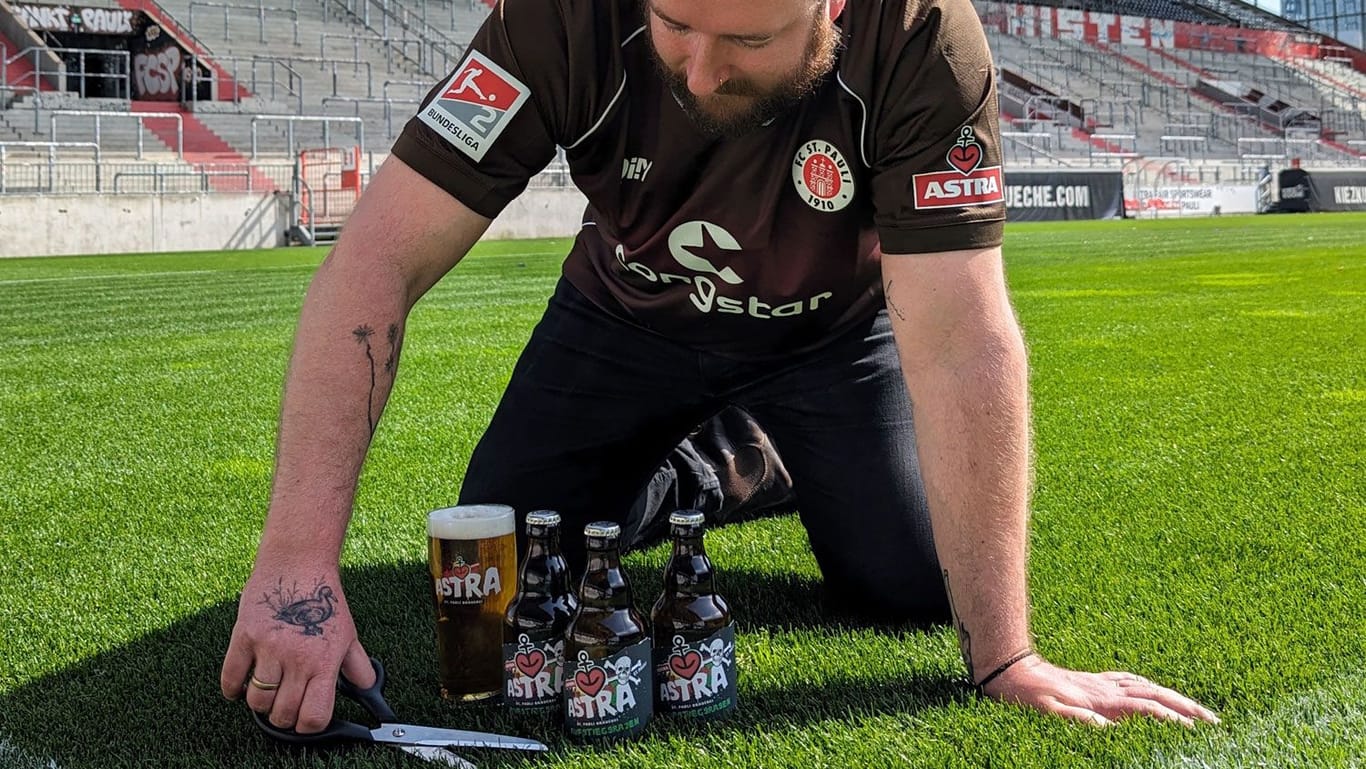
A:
[339,729]
[371,699]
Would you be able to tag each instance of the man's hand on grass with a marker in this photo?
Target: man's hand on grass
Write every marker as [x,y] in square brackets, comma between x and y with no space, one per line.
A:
[287,648]
[1095,698]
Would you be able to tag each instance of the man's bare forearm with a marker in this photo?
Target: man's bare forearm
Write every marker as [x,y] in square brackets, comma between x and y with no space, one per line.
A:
[964,362]
[346,354]
[972,427]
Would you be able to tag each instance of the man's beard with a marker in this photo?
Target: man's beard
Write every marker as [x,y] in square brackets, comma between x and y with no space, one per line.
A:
[763,105]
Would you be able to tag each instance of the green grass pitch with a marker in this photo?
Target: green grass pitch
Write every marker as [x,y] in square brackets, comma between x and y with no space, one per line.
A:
[1199,394]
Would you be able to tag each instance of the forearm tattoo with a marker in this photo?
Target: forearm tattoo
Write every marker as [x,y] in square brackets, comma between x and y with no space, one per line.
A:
[887,294]
[302,610]
[964,638]
[362,336]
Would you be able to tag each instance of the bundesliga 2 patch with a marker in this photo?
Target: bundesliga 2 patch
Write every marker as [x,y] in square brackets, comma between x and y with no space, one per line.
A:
[475,105]
[965,185]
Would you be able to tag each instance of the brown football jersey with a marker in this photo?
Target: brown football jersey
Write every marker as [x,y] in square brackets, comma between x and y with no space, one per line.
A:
[747,246]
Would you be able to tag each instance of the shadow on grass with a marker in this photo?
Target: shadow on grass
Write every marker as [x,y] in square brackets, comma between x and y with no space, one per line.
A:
[155,702]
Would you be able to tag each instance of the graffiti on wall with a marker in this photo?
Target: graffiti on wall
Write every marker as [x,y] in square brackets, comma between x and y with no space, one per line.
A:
[157,74]
[70,18]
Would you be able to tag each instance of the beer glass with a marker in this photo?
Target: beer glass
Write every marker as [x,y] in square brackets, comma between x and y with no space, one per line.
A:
[473,560]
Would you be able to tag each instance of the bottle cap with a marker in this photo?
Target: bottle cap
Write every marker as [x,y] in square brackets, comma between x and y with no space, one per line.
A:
[543,518]
[602,529]
[687,517]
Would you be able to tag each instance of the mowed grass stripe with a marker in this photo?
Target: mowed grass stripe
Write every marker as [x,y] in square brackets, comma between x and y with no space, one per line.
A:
[1325,727]
[13,757]
[1199,424]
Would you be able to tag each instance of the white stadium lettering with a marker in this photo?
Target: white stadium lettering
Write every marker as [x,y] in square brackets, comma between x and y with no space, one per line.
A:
[1347,196]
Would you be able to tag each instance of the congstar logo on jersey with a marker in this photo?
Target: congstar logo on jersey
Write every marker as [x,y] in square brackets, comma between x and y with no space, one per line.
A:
[697,246]
[475,105]
[966,185]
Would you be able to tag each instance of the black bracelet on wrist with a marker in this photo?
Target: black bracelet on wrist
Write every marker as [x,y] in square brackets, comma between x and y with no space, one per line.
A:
[980,685]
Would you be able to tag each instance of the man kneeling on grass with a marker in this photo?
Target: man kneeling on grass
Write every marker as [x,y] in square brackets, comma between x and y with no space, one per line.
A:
[796,208]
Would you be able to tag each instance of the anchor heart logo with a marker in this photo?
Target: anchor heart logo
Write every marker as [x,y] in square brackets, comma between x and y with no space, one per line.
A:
[965,158]
[530,664]
[590,683]
[685,665]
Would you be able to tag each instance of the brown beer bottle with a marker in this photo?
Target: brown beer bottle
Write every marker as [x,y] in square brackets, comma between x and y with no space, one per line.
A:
[607,682]
[694,654]
[535,622]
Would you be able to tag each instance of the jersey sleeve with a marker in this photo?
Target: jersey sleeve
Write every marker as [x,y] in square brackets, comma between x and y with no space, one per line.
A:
[937,182]
[495,121]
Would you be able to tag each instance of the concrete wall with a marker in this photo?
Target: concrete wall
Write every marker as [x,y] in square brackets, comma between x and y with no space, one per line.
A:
[540,213]
[129,223]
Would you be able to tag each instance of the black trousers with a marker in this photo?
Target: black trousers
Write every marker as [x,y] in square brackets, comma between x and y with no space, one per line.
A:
[595,404]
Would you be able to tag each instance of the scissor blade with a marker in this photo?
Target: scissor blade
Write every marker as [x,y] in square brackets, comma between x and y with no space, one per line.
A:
[408,734]
[438,755]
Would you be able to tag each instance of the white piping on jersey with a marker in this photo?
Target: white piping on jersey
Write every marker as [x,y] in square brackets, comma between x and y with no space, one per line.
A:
[863,128]
[632,36]
[620,89]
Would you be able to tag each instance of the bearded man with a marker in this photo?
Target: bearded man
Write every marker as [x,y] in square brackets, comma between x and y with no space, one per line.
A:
[795,208]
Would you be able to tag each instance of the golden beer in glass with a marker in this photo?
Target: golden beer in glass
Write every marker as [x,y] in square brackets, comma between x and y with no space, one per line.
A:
[472,554]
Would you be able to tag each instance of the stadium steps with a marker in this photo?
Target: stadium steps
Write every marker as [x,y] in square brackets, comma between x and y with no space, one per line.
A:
[1343,148]
[1343,114]
[204,148]
[1216,106]
[1357,90]
[337,68]
[1182,63]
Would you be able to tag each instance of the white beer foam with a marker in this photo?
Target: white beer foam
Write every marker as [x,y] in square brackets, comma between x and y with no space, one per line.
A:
[471,522]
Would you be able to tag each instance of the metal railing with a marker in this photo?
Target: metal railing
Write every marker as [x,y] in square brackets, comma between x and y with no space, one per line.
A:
[260,11]
[387,102]
[52,148]
[356,65]
[118,74]
[1253,148]
[93,178]
[1127,144]
[1030,148]
[438,52]
[293,120]
[393,48]
[268,77]
[140,117]
[159,177]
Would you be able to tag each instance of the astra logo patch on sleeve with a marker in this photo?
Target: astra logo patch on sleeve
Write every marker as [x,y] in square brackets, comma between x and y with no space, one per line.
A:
[966,185]
[475,105]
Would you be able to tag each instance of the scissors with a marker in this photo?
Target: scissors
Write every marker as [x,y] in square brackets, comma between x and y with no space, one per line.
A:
[426,742]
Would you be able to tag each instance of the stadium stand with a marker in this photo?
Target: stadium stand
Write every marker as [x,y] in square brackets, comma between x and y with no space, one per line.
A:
[262,95]
[1153,9]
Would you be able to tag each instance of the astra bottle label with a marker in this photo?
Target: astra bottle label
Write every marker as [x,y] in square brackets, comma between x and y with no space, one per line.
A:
[696,679]
[533,670]
[608,697]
